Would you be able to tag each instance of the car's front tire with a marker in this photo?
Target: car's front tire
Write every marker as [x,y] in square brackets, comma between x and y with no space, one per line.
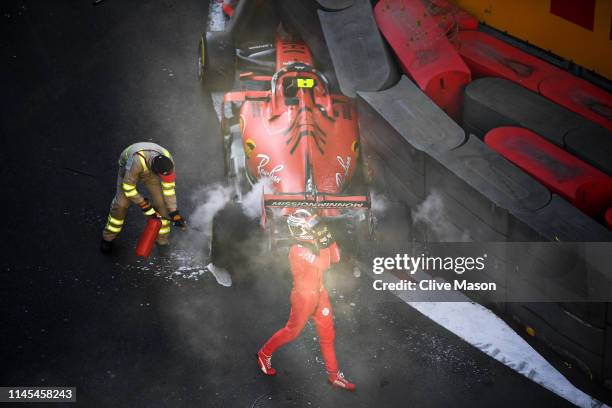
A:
[216,61]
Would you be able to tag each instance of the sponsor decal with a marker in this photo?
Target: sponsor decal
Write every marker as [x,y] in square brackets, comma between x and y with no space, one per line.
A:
[272,174]
[309,185]
[308,256]
[317,204]
[341,177]
[254,47]
[325,311]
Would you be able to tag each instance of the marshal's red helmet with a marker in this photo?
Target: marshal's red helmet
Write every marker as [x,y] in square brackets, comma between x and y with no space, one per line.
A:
[164,168]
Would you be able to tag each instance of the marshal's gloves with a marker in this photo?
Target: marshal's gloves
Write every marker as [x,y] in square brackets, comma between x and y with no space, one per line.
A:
[148,210]
[177,219]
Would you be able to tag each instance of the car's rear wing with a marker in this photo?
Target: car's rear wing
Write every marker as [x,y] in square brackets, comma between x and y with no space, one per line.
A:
[318,202]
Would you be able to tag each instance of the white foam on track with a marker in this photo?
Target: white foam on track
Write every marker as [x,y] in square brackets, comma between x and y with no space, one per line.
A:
[482,329]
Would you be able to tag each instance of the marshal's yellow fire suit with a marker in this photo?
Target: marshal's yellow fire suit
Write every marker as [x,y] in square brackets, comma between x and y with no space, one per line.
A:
[135,168]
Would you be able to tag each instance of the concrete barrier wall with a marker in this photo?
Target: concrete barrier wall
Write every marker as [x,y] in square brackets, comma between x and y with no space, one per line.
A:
[420,157]
[422,151]
[360,57]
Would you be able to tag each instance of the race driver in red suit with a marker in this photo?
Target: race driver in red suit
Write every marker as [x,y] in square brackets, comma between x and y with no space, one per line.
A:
[309,257]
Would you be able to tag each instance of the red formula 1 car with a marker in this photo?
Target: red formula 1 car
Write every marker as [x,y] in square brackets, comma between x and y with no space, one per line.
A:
[286,126]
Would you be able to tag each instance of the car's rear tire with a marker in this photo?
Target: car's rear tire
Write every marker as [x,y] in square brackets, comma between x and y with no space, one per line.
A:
[235,243]
[235,159]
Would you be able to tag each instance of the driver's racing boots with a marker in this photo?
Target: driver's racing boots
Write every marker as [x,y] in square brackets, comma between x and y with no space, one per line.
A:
[265,363]
[337,380]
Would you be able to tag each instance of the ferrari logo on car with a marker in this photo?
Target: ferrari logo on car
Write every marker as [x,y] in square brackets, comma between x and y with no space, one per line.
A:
[355,147]
[249,146]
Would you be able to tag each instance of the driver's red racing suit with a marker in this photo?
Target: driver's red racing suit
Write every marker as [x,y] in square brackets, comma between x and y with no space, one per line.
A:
[309,299]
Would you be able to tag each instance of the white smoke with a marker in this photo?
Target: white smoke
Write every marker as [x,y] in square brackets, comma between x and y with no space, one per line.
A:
[190,259]
[431,213]
[252,201]
[196,244]
[212,199]
[379,203]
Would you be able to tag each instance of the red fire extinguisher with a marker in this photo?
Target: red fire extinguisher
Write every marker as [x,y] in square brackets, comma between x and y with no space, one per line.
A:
[148,237]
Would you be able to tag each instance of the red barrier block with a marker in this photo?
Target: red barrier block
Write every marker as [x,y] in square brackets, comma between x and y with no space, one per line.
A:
[424,51]
[487,56]
[609,218]
[578,182]
[450,17]
[579,96]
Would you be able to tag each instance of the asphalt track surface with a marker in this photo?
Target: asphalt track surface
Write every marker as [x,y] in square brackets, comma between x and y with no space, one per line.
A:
[81,82]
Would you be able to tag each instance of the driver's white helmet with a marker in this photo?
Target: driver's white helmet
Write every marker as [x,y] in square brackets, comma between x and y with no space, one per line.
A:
[301,224]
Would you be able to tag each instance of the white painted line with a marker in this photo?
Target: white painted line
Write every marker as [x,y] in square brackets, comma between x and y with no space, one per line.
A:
[482,329]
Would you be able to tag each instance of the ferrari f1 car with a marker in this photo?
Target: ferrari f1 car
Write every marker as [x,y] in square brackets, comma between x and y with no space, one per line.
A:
[285,129]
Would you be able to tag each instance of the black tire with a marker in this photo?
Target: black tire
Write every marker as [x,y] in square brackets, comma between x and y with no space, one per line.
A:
[235,242]
[216,61]
[236,171]
[358,185]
